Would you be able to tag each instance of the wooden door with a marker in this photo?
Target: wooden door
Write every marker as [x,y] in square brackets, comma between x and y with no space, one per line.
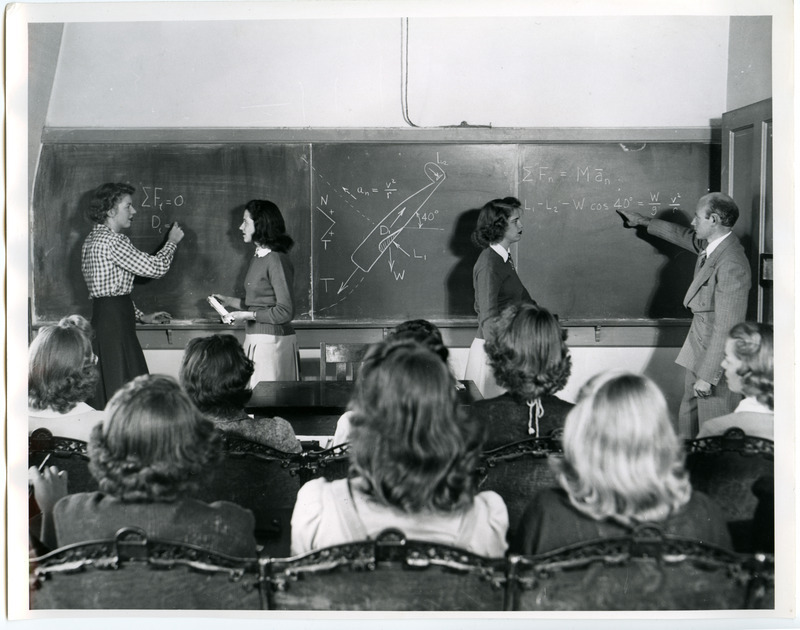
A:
[747,177]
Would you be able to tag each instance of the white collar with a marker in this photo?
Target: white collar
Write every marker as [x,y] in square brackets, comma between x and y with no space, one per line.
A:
[712,245]
[752,405]
[262,251]
[502,251]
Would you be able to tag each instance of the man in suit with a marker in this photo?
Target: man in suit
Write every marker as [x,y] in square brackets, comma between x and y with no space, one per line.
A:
[717,298]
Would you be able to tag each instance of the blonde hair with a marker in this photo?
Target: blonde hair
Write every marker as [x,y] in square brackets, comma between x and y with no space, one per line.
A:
[622,459]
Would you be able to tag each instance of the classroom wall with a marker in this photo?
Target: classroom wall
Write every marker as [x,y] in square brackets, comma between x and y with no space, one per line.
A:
[597,71]
[749,61]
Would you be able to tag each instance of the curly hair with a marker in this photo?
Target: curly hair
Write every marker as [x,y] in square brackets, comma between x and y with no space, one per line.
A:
[424,332]
[408,442]
[622,459]
[61,366]
[154,445]
[527,351]
[493,220]
[753,345]
[269,227]
[216,372]
[104,199]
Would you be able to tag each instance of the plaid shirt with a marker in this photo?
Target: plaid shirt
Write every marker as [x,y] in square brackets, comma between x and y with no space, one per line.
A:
[110,262]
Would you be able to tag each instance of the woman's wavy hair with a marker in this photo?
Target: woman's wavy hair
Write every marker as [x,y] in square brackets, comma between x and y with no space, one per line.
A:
[61,366]
[493,220]
[424,332]
[216,372]
[154,445]
[527,350]
[270,229]
[104,199]
[622,459]
[753,345]
[409,443]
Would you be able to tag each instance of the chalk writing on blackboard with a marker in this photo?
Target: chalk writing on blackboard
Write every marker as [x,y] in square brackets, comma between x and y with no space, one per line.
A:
[156,199]
[388,238]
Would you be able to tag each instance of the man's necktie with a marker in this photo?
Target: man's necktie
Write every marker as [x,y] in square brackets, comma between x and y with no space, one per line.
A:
[702,259]
[511,262]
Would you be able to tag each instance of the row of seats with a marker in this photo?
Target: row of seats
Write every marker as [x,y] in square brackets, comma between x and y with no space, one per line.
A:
[646,570]
[266,481]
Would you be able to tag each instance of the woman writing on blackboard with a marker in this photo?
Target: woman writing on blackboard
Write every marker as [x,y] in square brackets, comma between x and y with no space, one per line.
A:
[495,281]
[109,263]
[268,306]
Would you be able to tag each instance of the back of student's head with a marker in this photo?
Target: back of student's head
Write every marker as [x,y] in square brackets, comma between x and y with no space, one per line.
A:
[154,445]
[528,353]
[753,345]
[61,365]
[422,331]
[408,441]
[622,459]
[216,372]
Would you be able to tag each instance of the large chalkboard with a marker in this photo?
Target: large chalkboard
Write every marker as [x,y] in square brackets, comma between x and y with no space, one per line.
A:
[382,229]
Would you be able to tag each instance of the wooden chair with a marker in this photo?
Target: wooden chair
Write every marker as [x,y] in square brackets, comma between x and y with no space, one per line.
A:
[261,479]
[65,453]
[517,471]
[390,573]
[726,467]
[646,570]
[345,356]
[132,571]
[330,463]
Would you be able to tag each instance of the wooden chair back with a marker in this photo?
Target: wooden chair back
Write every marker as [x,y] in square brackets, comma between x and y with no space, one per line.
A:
[517,471]
[261,479]
[646,570]
[331,463]
[726,468]
[346,358]
[132,571]
[388,574]
[65,453]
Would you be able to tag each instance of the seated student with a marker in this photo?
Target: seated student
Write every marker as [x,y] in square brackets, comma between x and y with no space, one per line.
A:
[215,372]
[748,366]
[62,375]
[419,330]
[411,464]
[622,466]
[148,456]
[526,349]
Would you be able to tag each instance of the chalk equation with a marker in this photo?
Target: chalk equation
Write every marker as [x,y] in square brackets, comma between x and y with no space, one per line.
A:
[652,204]
[156,201]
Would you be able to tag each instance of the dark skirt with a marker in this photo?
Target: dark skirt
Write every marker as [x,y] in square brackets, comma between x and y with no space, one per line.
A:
[120,357]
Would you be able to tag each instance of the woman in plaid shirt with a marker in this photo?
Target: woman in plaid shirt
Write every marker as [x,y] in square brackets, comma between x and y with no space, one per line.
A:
[109,263]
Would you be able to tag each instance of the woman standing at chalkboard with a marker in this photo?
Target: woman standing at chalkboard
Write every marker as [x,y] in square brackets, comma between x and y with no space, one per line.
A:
[270,341]
[109,263]
[495,281]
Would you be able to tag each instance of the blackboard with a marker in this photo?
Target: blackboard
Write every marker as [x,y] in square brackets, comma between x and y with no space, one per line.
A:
[203,187]
[383,229]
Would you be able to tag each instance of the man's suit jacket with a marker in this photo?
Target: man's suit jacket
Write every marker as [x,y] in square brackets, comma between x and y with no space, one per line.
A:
[717,298]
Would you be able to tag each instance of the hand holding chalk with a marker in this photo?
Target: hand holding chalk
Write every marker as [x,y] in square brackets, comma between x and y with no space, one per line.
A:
[175,233]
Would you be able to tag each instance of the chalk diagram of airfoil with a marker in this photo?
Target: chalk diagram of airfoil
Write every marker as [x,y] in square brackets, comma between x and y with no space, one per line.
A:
[380,239]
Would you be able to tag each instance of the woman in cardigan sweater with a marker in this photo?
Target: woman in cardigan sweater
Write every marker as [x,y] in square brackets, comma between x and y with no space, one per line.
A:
[268,307]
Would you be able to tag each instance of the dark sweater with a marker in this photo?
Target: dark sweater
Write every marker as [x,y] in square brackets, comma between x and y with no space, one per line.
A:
[496,286]
[506,420]
[268,292]
[551,522]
